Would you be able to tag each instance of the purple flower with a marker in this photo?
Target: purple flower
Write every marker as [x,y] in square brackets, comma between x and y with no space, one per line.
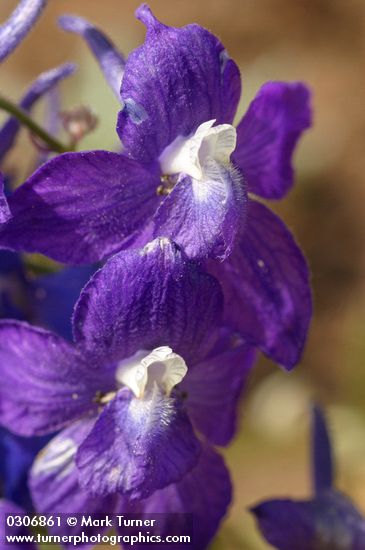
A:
[150,365]
[182,176]
[18,25]
[180,92]
[329,521]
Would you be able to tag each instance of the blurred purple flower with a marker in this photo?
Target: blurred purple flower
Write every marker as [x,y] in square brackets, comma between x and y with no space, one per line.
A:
[46,300]
[111,61]
[329,521]
[18,25]
[37,90]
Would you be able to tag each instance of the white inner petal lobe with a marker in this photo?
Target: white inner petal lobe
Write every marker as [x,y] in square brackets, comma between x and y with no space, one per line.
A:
[161,367]
[188,155]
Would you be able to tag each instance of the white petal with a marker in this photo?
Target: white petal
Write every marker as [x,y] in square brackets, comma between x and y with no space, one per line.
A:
[161,367]
[188,155]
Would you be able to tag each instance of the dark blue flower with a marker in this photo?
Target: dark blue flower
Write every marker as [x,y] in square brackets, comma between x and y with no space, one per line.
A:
[181,176]
[46,300]
[16,457]
[329,521]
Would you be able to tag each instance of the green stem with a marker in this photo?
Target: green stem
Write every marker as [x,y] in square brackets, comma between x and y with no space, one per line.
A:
[25,120]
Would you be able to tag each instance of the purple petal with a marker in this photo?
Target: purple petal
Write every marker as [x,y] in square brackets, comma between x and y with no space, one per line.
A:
[267,136]
[266,287]
[178,79]
[7,507]
[5,213]
[321,452]
[204,493]
[92,204]
[54,481]
[204,217]
[41,86]
[171,302]
[111,61]
[18,25]
[45,384]
[330,522]
[137,446]
[213,388]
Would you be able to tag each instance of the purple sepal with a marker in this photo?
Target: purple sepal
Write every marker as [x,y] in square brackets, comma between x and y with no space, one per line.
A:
[41,86]
[7,507]
[110,60]
[195,505]
[171,302]
[266,287]
[329,522]
[267,136]
[137,446]
[178,79]
[213,389]
[92,203]
[204,217]
[321,452]
[18,25]
[5,213]
[55,487]
[45,383]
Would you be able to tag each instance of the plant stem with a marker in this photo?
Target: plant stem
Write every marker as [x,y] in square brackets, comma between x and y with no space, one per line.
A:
[25,120]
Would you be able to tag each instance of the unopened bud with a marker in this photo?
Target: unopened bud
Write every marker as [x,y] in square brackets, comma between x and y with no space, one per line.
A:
[78,122]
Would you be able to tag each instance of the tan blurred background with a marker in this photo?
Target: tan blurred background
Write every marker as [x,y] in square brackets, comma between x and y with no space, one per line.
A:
[323,43]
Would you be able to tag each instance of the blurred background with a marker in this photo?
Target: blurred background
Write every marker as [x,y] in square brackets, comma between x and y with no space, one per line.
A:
[321,42]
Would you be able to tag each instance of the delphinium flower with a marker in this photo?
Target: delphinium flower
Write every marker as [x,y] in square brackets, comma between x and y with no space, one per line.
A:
[329,521]
[151,365]
[184,174]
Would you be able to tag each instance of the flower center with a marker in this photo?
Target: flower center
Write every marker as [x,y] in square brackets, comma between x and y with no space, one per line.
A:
[142,371]
[188,155]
